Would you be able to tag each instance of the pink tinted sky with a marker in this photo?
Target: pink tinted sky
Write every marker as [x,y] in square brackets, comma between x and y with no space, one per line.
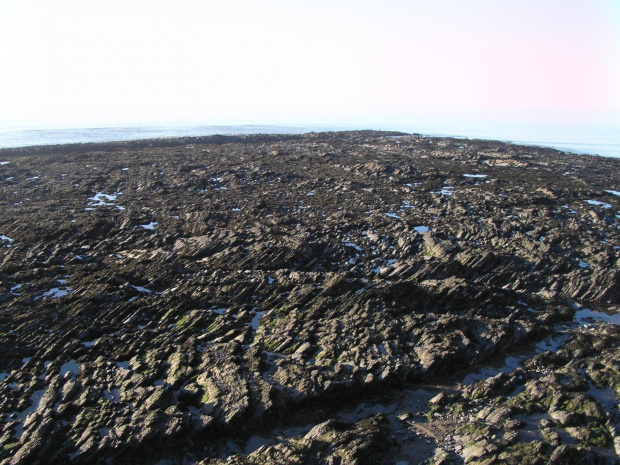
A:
[80,63]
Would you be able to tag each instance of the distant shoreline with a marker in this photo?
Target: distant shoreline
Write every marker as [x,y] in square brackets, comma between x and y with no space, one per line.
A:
[173,141]
[60,149]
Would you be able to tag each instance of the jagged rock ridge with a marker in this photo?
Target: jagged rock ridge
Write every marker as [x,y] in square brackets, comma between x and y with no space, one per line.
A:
[160,296]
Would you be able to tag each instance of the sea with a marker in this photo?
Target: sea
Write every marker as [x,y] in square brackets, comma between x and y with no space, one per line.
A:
[602,141]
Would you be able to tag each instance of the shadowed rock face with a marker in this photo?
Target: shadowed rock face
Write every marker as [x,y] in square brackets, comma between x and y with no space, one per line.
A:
[559,408]
[157,297]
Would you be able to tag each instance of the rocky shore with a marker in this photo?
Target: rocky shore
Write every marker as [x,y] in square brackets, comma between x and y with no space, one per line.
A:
[330,298]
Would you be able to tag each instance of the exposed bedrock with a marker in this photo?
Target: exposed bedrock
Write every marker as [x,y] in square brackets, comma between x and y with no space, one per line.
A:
[157,297]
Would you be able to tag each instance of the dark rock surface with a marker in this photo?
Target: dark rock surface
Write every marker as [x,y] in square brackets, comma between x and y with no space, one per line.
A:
[559,408]
[162,300]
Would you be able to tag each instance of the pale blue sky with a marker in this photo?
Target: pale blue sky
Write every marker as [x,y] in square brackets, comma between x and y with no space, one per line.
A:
[84,63]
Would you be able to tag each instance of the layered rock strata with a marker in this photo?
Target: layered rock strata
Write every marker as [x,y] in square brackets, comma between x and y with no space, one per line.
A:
[160,296]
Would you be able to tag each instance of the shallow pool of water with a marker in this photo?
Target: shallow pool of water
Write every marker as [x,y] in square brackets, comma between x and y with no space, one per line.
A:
[586,315]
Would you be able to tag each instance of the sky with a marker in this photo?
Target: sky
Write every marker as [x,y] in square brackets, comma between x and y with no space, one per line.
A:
[81,63]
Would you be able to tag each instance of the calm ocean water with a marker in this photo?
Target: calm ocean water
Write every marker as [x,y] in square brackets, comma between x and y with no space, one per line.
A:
[594,141]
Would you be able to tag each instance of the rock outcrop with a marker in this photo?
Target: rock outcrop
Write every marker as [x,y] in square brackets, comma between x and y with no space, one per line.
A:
[160,298]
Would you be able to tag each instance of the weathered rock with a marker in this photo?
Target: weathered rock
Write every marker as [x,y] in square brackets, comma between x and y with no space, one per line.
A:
[163,295]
